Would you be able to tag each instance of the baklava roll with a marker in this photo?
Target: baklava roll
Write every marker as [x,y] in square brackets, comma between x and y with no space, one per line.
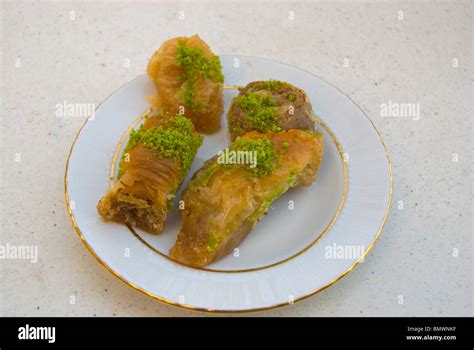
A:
[269,106]
[189,81]
[225,198]
[153,165]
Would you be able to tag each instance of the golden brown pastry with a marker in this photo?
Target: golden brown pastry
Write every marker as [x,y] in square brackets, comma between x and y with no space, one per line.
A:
[269,106]
[153,165]
[225,199]
[189,81]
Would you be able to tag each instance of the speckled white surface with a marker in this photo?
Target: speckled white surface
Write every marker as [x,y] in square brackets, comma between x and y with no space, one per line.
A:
[412,271]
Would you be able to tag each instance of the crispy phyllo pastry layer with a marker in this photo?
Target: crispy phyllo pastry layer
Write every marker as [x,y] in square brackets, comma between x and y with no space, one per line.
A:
[189,80]
[269,106]
[233,190]
[153,165]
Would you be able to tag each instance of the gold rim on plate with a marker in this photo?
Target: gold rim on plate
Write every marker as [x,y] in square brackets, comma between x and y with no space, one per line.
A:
[157,251]
[192,308]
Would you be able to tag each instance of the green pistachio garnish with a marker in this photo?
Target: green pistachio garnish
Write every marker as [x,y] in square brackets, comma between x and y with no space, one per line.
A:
[264,150]
[260,111]
[271,84]
[267,202]
[176,139]
[194,64]
[212,241]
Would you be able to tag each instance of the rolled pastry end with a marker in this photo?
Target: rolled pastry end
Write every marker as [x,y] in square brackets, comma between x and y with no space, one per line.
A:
[154,163]
[120,205]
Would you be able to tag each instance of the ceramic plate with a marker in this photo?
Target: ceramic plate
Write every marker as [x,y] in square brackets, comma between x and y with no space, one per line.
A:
[310,238]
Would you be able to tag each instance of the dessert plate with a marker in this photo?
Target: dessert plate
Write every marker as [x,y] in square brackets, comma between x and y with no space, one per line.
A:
[310,238]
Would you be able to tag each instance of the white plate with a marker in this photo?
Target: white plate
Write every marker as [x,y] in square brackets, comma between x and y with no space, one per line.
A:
[310,239]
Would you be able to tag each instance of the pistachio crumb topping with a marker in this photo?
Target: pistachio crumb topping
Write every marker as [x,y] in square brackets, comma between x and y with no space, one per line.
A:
[194,64]
[264,149]
[263,208]
[272,84]
[260,111]
[266,159]
[175,139]
[212,241]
